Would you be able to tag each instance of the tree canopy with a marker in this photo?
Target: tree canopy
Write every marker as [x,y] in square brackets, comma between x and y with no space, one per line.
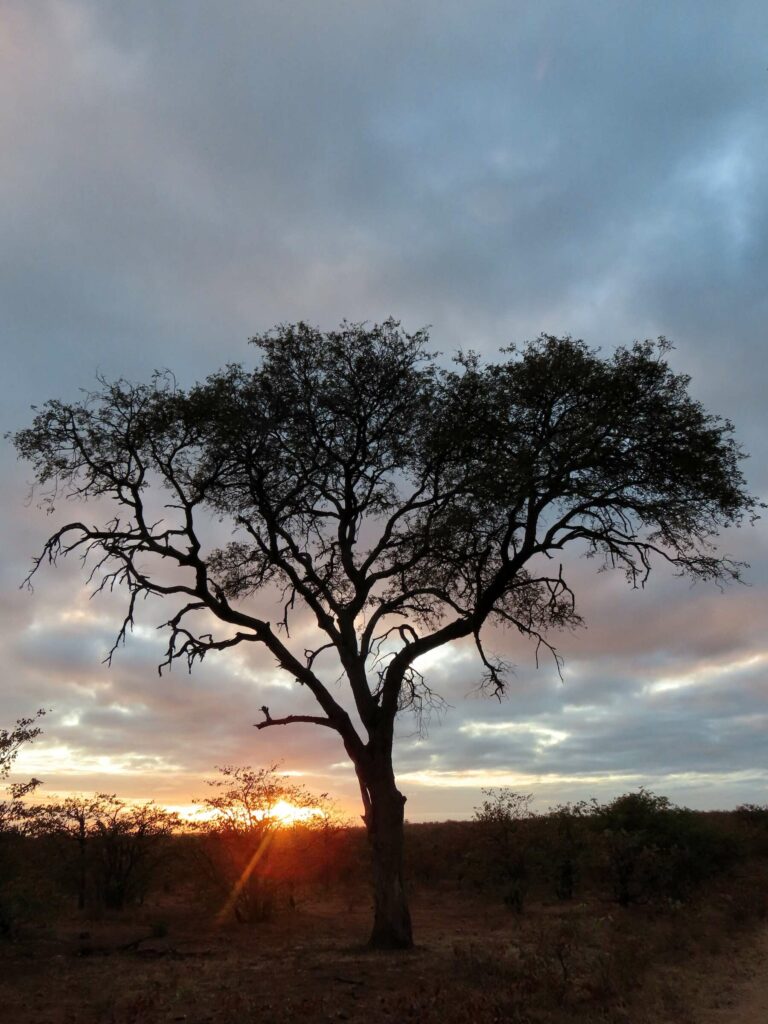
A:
[12,740]
[405,503]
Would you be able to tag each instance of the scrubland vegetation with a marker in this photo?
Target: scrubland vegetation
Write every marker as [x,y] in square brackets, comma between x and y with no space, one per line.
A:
[620,911]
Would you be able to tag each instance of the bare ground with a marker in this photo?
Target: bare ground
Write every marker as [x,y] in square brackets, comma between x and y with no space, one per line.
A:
[742,995]
[475,962]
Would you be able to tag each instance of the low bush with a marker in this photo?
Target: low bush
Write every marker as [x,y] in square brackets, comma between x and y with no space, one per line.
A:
[654,850]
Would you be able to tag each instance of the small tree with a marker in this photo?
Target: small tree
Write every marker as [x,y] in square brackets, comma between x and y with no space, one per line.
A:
[567,828]
[75,821]
[405,506]
[237,828]
[11,741]
[505,818]
[246,798]
[129,841]
[15,818]
[14,813]
[655,850]
[117,845]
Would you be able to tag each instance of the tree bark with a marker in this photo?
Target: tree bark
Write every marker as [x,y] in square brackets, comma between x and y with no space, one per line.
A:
[384,821]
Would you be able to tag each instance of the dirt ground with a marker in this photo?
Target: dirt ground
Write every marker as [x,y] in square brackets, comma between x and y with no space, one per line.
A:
[743,993]
[475,962]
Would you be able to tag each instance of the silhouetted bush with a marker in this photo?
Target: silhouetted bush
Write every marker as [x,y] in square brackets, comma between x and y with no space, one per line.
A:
[128,845]
[752,821]
[506,842]
[251,862]
[566,845]
[241,860]
[17,887]
[103,849]
[655,850]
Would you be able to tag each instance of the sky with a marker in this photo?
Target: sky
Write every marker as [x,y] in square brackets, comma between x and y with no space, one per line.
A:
[177,177]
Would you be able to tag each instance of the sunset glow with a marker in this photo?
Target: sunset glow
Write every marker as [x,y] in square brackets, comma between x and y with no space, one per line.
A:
[282,813]
[288,814]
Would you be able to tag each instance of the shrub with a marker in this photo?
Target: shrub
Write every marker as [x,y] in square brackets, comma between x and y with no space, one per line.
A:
[251,859]
[752,822]
[656,850]
[566,847]
[15,816]
[506,842]
[129,843]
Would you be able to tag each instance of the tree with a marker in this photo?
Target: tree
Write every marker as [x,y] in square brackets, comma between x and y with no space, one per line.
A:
[129,842]
[655,850]
[14,812]
[240,827]
[246,798]
[405,506]
[15,818]
[505,820]
[76,819]
[12,740]
[119,844]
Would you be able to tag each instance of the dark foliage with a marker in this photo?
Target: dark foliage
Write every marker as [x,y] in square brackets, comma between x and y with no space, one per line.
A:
[104,850]
[16,893]
[657,851]
[637,850]
[506,841]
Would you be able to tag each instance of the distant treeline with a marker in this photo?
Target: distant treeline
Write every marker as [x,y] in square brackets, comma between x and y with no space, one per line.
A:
[242,861]
[637,848]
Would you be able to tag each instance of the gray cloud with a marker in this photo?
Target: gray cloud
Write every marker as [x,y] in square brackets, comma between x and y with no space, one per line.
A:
[175,179]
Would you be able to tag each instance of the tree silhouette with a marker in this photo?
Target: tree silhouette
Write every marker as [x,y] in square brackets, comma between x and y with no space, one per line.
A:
[11,740]
[404,505]
[16,816]
[14,813]
[116,845]
[236,831]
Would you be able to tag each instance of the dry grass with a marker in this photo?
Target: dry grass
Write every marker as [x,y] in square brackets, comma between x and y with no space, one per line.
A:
[476,962]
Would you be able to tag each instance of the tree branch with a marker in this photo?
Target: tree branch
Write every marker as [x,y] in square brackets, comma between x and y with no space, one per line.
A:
[290,719]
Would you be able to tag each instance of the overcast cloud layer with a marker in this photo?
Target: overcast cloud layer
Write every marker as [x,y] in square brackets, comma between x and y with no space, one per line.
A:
[176,177]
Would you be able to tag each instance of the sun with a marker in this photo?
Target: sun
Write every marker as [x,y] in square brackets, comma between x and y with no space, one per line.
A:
[289,814]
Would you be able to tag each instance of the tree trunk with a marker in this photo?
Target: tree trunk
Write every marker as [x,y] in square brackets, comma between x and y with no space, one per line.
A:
[81,880]
[384,820]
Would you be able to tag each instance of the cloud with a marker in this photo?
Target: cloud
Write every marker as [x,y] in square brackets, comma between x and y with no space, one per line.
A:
[175,180]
